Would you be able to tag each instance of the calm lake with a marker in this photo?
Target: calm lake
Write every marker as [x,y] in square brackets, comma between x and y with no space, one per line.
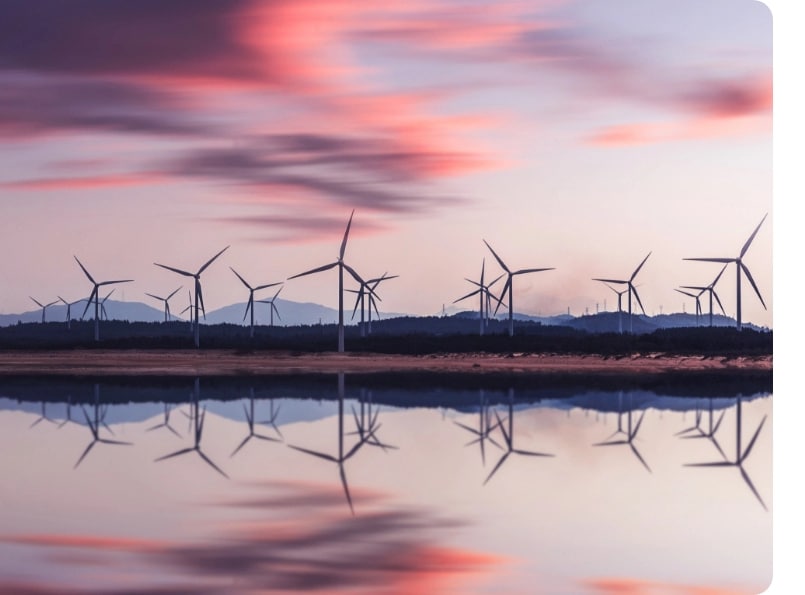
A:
[384,484]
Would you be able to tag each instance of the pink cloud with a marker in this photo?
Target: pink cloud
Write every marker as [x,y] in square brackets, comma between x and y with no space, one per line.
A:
[87,182]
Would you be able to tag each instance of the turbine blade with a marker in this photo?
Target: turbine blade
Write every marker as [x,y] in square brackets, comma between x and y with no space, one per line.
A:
[346,486]
[640,266]
[752,487]
[321,455]
[637,297]
[241,445]
[242,280]
[175,454]
[316,270]
[468,295]
[752,441]
[346,235]
[754,285]
[752,237]
[718,301]
[211,464]
[89,301]
[180,271]
[500,262]
[618,281]
[86,272]
[268,285]
[497,466]
[210,261]
[637,454]
[724,268]
[84,454]
[524,271]
[156,297]
[725,260]
[37,303]
[173,293]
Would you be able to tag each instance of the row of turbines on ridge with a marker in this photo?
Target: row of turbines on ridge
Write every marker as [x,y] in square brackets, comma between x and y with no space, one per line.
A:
[366,291]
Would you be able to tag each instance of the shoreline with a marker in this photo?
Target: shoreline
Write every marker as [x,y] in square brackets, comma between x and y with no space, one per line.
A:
[231,363]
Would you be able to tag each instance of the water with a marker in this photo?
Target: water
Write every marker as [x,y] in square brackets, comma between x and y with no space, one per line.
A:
[517,486]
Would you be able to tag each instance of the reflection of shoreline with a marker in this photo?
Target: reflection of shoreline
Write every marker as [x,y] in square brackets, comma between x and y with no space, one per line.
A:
[223,362]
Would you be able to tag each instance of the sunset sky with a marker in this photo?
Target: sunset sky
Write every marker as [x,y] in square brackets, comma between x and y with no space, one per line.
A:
[579,135]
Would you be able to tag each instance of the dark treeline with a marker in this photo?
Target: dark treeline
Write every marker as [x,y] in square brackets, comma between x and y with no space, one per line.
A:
[414,336]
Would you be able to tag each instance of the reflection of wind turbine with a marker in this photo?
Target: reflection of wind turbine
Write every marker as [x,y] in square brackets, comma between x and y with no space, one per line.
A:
[631,289]
[631,433]
[701,433]
[367,422]
[695,296]
[273,307]
[197,421]
[485,426]
[341,266]
[44,306]
[740,456]
[712,291]
[94,294]
[508,436]
[250,303]
[41,418]
[342,457]
[165,423]
[250,420]
[165,300]
[197,278]
[508,286]
[94,426]
[740,266]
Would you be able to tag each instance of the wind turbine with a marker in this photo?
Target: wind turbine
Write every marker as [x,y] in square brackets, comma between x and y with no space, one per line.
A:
[44,306]
[620,308]
[695,296]
[69,305]
[273,307]
[367,288]
[631,289]
[165,300]
[508,286]
[104,315]
[94,294]
[250,303]
[341,266]
[197,278]
[484,295]
[740,266]
[711,289]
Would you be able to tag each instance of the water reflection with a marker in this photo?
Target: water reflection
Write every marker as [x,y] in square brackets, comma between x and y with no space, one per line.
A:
[740,455]
[197,415]
[410,515]
[250,422]
[508,437]
[94,425]
[630,433]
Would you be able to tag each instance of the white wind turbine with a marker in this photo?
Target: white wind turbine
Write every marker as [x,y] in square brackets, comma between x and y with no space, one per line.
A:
[341,266]
[94,295]
[484,296]
[631,289]
[740,266]
[508,286]
[250,303]
[199,297]
[165,300]
[44,306]
[711,289]
[69,306]
[273,308]
[697,297]
[367,289]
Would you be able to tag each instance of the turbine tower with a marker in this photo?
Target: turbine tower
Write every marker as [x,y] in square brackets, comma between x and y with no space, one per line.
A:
[44,306]
[94,294]
[712,291]
[631,289]
[250,303]
[341,266]
[165,300]
[69,306]
[508,286]
[740,266]
[199,297]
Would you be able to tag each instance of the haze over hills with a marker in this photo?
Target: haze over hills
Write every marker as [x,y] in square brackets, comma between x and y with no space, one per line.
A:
[307,313]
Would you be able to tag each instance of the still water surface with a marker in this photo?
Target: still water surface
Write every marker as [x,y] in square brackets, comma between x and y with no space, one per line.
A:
[198,486]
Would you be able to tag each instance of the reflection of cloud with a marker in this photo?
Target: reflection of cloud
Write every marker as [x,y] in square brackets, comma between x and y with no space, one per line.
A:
[300,540]
[630,586]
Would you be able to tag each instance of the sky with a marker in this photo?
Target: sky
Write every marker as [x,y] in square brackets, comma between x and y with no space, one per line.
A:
[576,135]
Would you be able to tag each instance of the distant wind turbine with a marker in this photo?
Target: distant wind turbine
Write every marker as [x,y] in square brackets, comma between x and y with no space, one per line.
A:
[740,266]
[94,295]
[620,308]
[697,297]
[69,306]
[341,266]
[199,297]
[165,300]
[484,296]
[712,291]
[44,306]
[273,307]
[631,289]
[367,293]
[250,303]
[104,315]
[508,286]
